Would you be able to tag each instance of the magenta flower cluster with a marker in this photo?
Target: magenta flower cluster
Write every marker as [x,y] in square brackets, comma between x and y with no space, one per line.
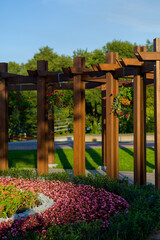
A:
[73,203]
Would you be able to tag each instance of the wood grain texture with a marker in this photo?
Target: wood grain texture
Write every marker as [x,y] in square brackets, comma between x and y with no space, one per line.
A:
[3,120]
[112,146]
[42,122]
[50,131]
[157,114]
[79,119]
[139,127]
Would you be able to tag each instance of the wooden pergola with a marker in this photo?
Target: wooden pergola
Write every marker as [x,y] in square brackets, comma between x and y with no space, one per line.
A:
[143,69]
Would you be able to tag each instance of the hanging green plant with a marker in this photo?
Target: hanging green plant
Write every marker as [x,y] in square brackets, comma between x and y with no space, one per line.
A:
[56,99]
[123,103]
[20,101]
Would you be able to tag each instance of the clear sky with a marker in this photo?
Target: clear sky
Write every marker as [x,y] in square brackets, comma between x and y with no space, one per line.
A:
[66,25]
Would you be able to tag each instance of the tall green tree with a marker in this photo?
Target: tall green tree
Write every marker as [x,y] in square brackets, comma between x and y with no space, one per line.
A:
[124,49]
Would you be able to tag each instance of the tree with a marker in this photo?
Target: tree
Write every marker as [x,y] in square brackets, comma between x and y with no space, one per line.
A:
[55,62]
[124,49]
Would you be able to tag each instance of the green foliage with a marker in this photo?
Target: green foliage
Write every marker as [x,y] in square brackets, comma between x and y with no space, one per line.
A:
[13,200]
[124,49]
[55,62]
[149,46]
[123,103]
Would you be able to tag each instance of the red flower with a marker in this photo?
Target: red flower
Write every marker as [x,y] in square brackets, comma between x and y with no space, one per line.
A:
[56,91]
[19,94]
[121,113]
[57,100]
[18,98]
[114,90]
[127,115]
[61,95]
[67,104]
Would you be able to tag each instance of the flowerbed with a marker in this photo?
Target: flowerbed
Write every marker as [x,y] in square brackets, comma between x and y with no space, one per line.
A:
[14,200]
[73,203]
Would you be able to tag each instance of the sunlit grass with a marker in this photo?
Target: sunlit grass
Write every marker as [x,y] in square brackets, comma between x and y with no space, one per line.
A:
[64,158]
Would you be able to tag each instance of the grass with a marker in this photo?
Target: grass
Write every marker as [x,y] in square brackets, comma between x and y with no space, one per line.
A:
[64,158]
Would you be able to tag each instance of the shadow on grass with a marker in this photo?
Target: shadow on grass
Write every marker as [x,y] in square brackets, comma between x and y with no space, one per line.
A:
[22,158]
[131,153]
[63,158]
[96,157]
[127,150]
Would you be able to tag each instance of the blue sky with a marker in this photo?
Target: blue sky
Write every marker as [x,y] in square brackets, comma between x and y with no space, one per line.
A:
[66,25]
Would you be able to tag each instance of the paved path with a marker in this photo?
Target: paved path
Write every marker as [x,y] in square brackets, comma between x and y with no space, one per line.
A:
[91,141]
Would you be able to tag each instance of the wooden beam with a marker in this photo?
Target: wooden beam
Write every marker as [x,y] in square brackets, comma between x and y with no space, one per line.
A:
[50,131]
[157,114]
[107,67]
[131,62]
[3,120]
[95,68]
[112,146]
[139,128]
[79,119]
[13,87]
[147,67]
[21,80]
[42,121]
[78,70]
[148,56]
[103,96]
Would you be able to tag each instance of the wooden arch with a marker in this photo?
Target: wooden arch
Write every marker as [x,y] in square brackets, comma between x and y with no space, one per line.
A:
[144,69]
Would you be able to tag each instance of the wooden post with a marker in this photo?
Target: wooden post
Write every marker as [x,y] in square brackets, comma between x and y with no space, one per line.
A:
[157,115]
[3,119]
[50,132]
[79,119]
[103,96]
[139,126]
[42,121]
[112,145]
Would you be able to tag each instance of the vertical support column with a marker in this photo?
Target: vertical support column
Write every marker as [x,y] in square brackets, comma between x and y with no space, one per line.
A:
[79,119]
[42,121]
[112,129]
[139,126]
[157,115]
[50,133]
[103,96]
[3,120]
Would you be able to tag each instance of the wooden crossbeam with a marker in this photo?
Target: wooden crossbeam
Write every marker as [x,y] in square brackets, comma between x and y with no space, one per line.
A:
[147,67]
[107,67]
[131,62]
[95,68]
[13,87]
[76,70]
[148,56]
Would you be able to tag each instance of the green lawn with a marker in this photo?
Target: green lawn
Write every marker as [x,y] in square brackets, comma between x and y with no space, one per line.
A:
[64,158]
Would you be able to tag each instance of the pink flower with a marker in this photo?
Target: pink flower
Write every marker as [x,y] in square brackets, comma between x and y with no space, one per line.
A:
[127,115]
